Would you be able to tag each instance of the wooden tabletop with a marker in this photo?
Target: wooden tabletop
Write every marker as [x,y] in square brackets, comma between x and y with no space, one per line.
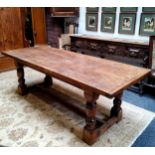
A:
[86,72]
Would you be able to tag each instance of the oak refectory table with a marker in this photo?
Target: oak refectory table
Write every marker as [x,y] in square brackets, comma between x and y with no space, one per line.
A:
[95,76]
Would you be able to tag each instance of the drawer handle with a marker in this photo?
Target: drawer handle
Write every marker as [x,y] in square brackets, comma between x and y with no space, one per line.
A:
[93,46]
[134,50]
[111,49]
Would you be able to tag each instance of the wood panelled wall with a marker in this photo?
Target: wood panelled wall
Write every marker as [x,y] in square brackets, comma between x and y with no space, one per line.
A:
[11,28]
[11,33]
[38,24]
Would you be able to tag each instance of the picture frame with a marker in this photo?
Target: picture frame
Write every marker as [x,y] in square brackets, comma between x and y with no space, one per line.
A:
[147,24]
[91,21]
[128,9]
[148,9]
[92,9]
[127,23]
[109,9]
[108,22]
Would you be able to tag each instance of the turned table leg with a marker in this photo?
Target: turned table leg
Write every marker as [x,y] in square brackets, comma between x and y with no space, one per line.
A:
[116,110]
[22,88]
[90,135]
[48,81]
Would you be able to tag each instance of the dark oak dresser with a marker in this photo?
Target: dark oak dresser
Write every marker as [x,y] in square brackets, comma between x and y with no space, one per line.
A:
[127,51]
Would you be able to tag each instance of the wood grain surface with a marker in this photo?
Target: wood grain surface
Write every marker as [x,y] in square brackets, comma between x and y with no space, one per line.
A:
[89,73]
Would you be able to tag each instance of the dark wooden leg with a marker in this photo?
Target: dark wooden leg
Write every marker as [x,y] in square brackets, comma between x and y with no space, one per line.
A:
[116,110]
[22,88]
[90,135]
[48,81]
[142,84]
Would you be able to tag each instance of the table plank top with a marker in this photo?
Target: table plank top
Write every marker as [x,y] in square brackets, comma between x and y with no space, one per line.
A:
[98,75]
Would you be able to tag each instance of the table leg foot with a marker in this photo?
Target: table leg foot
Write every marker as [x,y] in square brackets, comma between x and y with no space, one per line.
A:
[90,136]
[48,81]
[22,88]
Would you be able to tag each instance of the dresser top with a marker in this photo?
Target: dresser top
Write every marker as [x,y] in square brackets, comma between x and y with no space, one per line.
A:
[112,39]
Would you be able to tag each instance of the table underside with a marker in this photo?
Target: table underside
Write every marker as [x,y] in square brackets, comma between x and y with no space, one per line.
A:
[94,125]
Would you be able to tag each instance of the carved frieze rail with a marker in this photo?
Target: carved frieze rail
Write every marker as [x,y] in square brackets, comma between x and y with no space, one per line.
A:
[129,53]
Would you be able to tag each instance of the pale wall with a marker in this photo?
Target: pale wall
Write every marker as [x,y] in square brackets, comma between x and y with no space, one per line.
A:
[82,26]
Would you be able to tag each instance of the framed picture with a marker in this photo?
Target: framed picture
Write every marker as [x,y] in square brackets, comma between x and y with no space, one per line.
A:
[92,9]
[109,9]
[152,52]
[148,9]
[147,24]
[108,22]
[128,9]
[91,21]
[127,23]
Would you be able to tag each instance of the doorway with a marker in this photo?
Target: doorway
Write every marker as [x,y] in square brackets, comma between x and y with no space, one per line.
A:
[28,27]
